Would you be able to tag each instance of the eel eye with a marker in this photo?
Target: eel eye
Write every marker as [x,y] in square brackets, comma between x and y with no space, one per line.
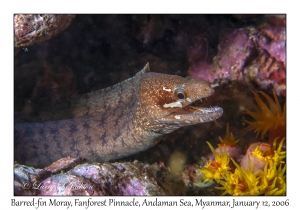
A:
[179,93]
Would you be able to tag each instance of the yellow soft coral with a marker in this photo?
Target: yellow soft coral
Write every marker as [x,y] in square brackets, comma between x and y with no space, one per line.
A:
[272,118]
[274,177]
[269,180]
[278,154]
[229,138]
[241,182]
[257,156]
[213,169]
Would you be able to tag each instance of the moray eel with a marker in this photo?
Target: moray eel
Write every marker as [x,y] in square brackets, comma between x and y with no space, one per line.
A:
[118,121]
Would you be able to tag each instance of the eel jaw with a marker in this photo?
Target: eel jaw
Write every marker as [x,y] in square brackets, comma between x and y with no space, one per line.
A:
[191,115]
[196,115]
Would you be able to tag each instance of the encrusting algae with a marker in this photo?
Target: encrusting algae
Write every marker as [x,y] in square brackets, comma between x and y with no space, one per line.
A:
[262,170]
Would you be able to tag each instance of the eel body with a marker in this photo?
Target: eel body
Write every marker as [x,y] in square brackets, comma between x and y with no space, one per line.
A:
[118,121]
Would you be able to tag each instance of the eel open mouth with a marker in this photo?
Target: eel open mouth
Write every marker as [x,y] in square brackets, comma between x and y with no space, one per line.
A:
[192,113]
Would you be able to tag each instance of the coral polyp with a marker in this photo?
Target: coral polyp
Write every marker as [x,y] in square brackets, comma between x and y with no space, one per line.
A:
[228,145]
[256,157]
[261,171]
[241,182]
[214,169]
[275,179]
[278,154]
[259,154]
[271,119]
[229,138]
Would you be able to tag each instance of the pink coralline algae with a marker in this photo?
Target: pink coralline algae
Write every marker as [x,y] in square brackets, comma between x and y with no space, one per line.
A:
[30,29]
[124,178]
[254,54]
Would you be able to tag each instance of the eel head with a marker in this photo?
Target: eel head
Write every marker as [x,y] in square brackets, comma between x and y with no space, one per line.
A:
[165,102]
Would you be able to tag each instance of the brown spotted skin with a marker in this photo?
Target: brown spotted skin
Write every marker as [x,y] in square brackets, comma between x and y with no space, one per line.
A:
[117,126]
